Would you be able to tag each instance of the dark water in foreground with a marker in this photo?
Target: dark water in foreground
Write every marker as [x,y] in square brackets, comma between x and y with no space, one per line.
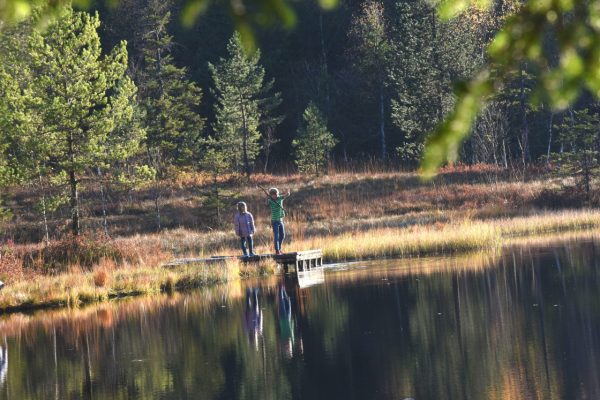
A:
[521,325]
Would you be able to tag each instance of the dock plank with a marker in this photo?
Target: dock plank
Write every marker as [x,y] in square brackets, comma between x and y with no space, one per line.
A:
[301,260]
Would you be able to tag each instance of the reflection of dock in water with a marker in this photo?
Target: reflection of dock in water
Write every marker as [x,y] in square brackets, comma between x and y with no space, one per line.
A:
[300,260]
[310,278]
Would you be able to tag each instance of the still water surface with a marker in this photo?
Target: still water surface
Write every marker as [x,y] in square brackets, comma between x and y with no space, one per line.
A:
[523,324]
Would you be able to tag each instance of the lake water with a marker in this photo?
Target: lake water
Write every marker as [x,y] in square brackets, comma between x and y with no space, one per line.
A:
[520,324]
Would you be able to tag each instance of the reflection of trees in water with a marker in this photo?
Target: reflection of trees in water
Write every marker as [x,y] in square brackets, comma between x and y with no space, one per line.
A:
[501,333]
[491,333]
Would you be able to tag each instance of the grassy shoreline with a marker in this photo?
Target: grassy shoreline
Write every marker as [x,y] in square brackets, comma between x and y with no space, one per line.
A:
[462,236]
[81,288]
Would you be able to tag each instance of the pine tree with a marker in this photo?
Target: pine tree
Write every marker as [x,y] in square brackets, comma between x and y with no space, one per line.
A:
[72,106]
[314,142]
[372,48]
[269,124]
[215,163]
[415,105]
[428,57]
[243,103]
[580,133]
[513,97]
[171,100]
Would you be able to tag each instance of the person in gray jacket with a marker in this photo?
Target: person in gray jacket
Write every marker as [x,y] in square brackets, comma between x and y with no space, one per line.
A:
[243,223]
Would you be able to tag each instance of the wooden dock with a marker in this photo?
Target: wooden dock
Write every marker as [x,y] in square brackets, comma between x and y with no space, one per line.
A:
[300,260]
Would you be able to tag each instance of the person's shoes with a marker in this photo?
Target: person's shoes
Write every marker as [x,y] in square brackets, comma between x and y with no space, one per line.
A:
[279,252]
[251,255]
[245,255]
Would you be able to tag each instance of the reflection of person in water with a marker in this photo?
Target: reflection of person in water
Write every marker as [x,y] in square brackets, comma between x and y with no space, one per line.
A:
[286,322]
[253,321]
[3,363]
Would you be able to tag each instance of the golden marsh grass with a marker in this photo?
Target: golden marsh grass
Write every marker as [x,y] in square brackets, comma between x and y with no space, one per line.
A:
[350,214]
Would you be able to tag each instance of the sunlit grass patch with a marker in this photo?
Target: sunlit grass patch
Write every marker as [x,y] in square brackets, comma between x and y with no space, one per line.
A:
[74,289]
[572,220]
[405,242]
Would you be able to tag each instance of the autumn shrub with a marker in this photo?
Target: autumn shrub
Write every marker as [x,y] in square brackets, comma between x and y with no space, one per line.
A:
[11,264]
[100,277]
[84,250]
[466,168]
[561,198]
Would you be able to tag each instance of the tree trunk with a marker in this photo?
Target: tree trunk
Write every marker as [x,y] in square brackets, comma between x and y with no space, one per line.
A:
[154,157]
[324,63]
[245,139]
[74,203]
[103,198]
[267,152]
[246,159]
[549,137]
[586,169]
[382,123]
[157,206]
[74,195]
[44,213]
[504,156]
[525,126]
[217,200]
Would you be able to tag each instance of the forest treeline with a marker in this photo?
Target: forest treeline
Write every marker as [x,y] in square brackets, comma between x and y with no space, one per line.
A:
[123,96]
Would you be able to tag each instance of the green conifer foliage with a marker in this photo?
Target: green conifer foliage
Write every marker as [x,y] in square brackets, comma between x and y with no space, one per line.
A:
[580,135]
[314,142]
[72,106]
[372,48]
[243,102]
[171,101]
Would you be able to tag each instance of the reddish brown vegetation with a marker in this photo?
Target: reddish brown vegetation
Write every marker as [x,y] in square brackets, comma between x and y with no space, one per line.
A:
[347,194]
[85,253]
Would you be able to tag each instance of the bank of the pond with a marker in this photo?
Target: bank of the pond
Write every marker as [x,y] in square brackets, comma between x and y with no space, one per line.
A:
[76,289]
[451,238]
[418,240]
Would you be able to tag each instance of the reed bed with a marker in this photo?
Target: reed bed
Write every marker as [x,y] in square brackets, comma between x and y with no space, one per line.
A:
[357,212]
[450,238]
[75,289]
[549,222]
[416,234]
[407,242]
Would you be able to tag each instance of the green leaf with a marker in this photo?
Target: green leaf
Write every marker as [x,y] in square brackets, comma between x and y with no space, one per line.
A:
[328,4]
[449,9]
[191,10]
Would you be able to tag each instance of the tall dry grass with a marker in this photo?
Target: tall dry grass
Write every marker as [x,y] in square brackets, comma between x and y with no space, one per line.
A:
[352,214]
[77,288]
[413,234]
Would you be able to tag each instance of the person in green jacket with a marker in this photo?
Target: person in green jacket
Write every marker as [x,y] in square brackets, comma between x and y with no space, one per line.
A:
[275,201]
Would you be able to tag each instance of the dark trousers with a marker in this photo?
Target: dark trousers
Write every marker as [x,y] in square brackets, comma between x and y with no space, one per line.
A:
[243,241]
[278,234]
